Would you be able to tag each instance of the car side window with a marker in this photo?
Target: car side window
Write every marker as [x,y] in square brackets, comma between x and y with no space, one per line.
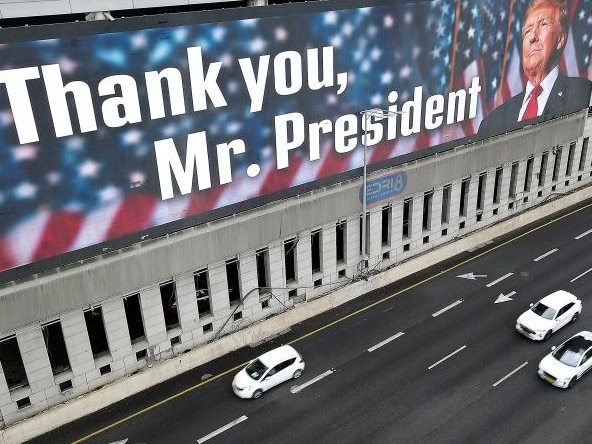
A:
[564,309]
[285,364]
[560,312]
[587,356]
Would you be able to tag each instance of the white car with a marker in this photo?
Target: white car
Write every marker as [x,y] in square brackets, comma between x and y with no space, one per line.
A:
[267,371]
[568,362]
[548,315]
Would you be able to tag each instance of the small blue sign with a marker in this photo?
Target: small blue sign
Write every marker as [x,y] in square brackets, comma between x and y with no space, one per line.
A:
[384,187]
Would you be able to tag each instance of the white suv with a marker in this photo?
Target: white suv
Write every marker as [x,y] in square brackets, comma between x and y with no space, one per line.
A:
[267,371]
[548,315]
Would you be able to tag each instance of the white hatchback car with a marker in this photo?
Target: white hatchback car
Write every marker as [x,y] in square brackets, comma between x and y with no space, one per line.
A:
[267,371]
[568,362]
[548,315]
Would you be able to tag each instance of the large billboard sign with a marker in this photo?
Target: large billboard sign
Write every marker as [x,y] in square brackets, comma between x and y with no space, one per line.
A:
[113,131]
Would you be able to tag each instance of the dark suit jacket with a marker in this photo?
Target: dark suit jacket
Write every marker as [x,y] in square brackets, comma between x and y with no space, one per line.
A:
[569,95]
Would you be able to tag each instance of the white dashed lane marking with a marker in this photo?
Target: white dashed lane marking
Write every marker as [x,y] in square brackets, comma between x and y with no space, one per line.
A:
[585,233]
[548,253]
[386,341]
[505,276]
[221,429]
[582,274]
[448,307]
[510,374]
[300,387]
[446,357]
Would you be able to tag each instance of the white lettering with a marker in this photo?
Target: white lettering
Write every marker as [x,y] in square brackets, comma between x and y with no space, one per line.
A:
[434,107]
[155,94]
[167,159]
[20,102]
[58,106]
[346,130]
[474,91]
[288,62]
[255,83]
[224,164]
[412,110]
[204,85]
[289,134]
[128,103]
[315,81]
[314,137]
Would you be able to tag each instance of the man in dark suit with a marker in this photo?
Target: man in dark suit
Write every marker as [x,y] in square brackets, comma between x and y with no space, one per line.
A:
[548,93]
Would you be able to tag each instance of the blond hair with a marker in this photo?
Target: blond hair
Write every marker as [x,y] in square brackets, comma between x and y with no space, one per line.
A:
[560,5]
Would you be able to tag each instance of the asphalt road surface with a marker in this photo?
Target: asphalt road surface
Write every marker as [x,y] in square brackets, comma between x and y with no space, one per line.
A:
[431,359]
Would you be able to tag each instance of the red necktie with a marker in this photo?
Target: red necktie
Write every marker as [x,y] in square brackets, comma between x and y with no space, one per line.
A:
[532,106]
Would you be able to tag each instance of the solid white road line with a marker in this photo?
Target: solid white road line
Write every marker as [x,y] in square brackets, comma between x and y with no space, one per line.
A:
[580,275]
[585,233]
[505,276]
[448,307]
[510,374]
[386,341]
[298,388]
[548,253]
[446,357]
[222,429]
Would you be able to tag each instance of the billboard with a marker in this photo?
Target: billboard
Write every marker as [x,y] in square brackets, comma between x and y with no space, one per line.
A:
[110,132]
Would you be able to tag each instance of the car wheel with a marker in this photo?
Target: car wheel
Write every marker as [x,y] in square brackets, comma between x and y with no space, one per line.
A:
[572,382]
[257,394]
[297,374]
[548,335]
[574,318]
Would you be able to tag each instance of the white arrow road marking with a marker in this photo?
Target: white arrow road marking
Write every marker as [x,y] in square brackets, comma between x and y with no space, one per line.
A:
[386,341]
[510,374]
[504,298]
[298,388]
[580,275]
[446,357]
[505,276]
[471,276]
[585,233]
[448,307]
[548,253]
[222,429]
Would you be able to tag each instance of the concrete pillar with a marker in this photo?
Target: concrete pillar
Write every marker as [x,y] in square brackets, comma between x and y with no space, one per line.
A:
[151,306]
[248,278]
[77,342]
[219,290]
[416,221]
[353,245]
[375,230]
[328,252]
[116,329]
[35,359]
[186,304]
[304,262]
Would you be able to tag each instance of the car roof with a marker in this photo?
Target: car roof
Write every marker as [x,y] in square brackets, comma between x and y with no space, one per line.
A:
[558,299]
[278,355]
[581,341]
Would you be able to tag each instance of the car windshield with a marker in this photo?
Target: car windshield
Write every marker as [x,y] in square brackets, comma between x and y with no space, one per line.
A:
[256,369]
[570,352]
[543,311]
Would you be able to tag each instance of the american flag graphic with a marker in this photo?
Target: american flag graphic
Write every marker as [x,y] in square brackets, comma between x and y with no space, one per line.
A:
[59,195]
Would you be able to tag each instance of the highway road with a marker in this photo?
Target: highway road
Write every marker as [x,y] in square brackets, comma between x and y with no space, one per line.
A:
[431,359]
